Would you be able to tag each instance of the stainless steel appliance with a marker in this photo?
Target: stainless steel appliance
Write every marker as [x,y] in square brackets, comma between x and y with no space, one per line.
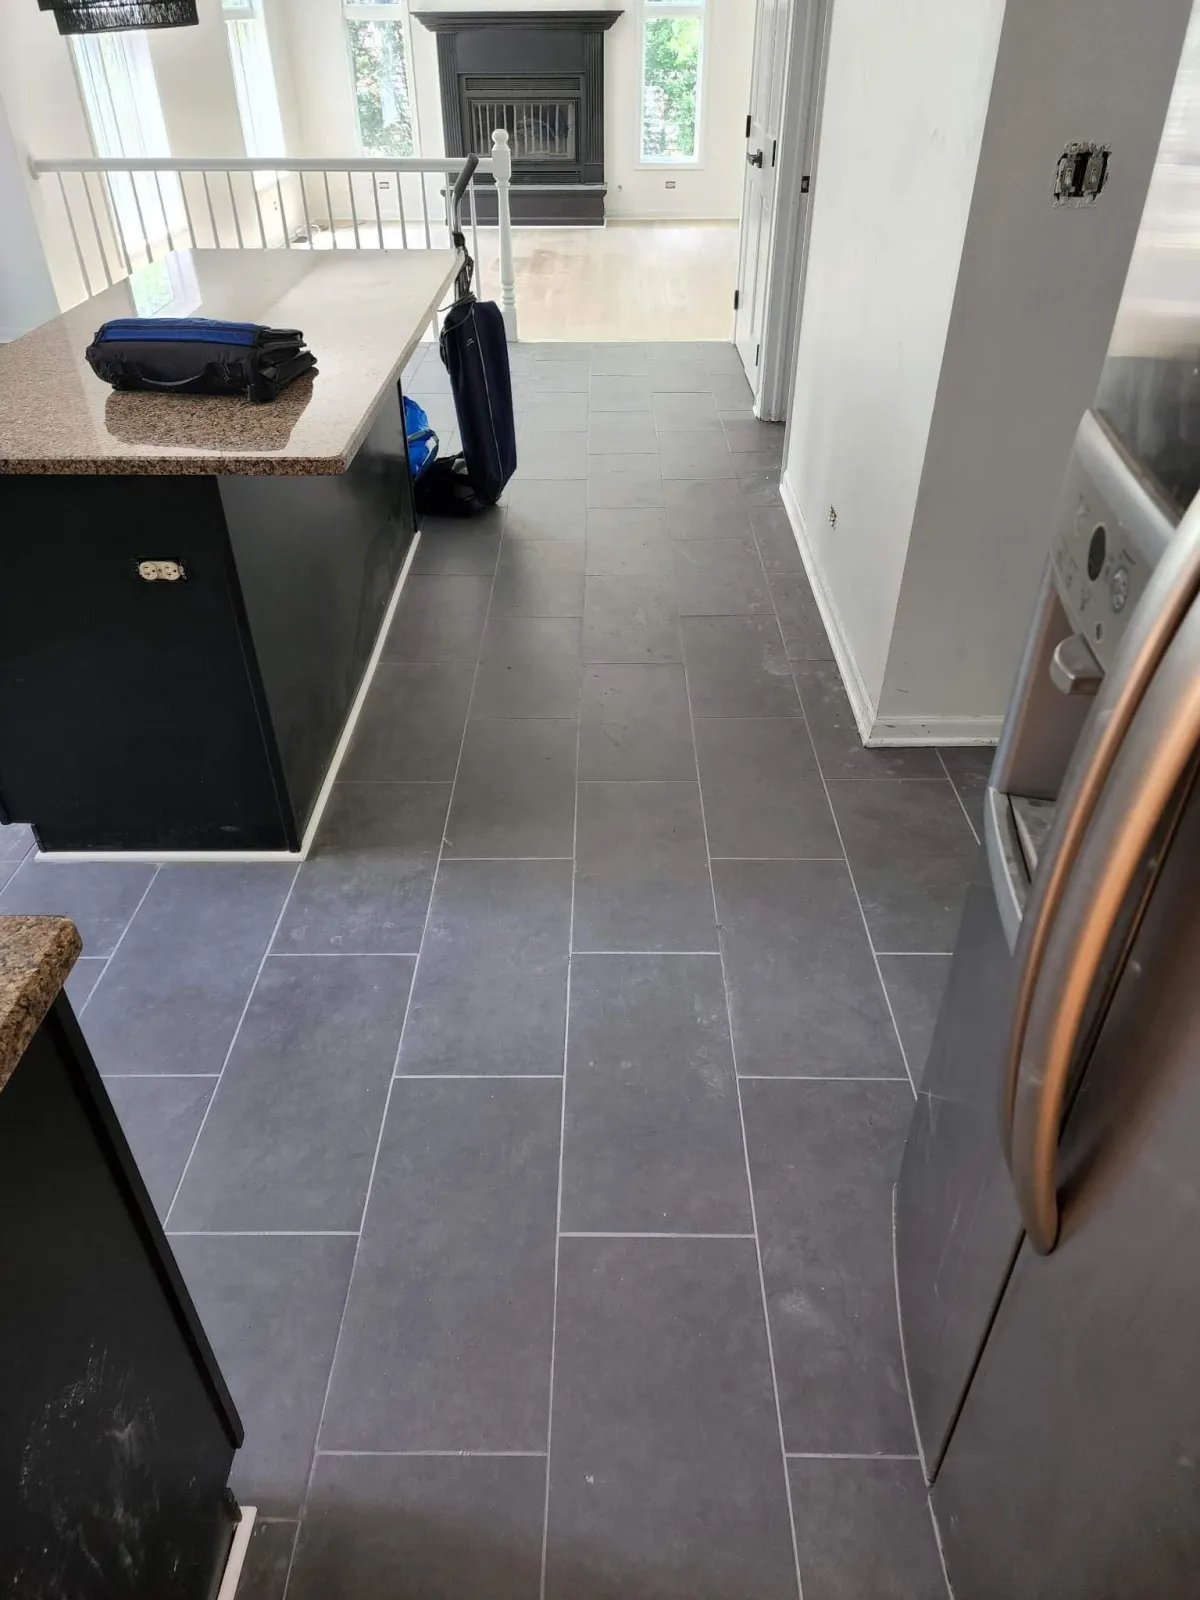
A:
[1048,1208]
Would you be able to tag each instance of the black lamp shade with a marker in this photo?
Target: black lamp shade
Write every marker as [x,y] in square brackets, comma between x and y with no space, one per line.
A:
[111,16]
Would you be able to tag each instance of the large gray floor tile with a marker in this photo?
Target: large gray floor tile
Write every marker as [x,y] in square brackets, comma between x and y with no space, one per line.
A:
[624,481]
[529,668]
[631,620]
[271,1308]
[800,622]
[99,896]
[558,377]
[863,1529]
[915,985]
[653,1136]
[553,456]
[763,795]
[912,853]
[625,360]
[715,509]
[549,414]
[805,998]
[491,989]
[268,1560]
[750,435]
[515,794]
[970,767]
[454,548]
[429,1528]
[720,578]
[539,578]
[695,457]
[621,392]
[839,746]
[642,880]
[439,619]
[666,1481]
[624,544]
[446,1344]
[686,413]
[291,1133]
[83,978]
[737,668]
[411,726]
[538,510]
[161,1118]
[775,535]
[823,1160]
[635,723]
[366,885]
[173,993]
[16,841]
[622,433]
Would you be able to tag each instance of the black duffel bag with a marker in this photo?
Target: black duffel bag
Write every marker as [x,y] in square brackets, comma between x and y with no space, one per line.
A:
[197,355]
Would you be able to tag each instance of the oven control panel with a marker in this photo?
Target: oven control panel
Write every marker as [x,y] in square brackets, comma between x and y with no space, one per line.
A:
[1110,535]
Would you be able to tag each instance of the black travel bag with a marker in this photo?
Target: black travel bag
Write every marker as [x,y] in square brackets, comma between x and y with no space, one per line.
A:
[197,355]
[474,351]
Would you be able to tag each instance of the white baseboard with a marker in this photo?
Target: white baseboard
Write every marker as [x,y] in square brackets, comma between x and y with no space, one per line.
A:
[323,794]
[237,1554]
[616,219]
[874,730]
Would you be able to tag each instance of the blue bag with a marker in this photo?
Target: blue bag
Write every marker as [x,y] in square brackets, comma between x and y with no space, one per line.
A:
[422,440]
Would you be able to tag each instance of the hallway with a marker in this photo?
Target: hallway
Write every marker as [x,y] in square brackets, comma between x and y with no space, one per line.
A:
[529,1150]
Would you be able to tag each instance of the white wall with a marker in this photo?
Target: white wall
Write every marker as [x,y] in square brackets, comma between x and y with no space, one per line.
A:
[954,326]
[26,290]
[905,99]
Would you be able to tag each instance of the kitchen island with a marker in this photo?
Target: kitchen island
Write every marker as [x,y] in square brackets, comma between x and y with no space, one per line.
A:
[192,589]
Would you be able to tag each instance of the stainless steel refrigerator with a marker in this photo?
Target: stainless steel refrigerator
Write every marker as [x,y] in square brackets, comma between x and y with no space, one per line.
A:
[1048,1207]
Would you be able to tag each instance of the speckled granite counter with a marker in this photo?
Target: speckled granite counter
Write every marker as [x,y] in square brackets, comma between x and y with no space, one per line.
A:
[362,313]
[36,954]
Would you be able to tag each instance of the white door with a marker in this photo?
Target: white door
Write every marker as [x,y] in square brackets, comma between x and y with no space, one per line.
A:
[772,41]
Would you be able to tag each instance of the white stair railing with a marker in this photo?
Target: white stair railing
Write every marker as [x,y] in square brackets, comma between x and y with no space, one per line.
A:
[124,213]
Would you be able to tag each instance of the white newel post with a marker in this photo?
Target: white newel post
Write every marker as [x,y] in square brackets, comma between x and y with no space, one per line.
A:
[502,170]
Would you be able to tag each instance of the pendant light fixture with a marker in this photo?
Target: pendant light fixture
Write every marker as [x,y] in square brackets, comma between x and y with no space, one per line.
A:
[110,16]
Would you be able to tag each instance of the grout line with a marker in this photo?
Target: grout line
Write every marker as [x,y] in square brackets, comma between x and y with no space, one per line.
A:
[562,1137]
[957,795]
[848,1455]
[210,1076]
[477,1077]
[412,986]
[780,858]
[762,1282]
[575,1233]
[455,858]
[212,1099]
[387,1455]
[819,1077]
[260,1233]
[889,953]
[339,955]
[645,952]
[887,999]
[109,958]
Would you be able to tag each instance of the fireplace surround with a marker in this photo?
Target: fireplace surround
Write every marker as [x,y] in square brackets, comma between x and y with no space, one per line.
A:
[539,75]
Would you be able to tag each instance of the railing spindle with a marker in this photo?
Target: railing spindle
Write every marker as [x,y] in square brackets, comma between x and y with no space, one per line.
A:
[378,216]
[118,224]
[353,210]
[212,216]
[237,221]
[162,206]
[262,232]
[400,203]
[141,220]
[502,170]
[308,232]
[425,212]
[329,212]
[83,271]
[187,211]
[287,238]
[87,190]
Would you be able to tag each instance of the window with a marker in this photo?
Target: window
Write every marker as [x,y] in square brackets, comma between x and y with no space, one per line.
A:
[116,78]
[672,70]
[383,105]
[253,78]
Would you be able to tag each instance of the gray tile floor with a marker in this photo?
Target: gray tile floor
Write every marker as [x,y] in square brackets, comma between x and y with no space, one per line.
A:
[529,1152]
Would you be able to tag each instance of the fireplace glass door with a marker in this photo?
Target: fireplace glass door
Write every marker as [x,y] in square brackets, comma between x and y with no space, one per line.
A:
[538,130]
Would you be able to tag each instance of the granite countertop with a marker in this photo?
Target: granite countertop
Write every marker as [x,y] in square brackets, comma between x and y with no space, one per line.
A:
[36,954]
[361,312]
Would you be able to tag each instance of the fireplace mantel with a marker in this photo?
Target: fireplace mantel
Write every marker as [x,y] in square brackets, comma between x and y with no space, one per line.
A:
[540,75]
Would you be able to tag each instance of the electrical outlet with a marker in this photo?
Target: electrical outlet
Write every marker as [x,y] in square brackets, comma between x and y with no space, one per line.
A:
[833,516]
[670,184]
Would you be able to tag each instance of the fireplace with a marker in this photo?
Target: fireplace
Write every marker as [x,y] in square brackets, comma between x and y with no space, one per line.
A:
[540,76]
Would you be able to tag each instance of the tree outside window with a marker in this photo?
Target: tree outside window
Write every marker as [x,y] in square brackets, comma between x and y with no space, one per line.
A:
[382,85]
[672,65]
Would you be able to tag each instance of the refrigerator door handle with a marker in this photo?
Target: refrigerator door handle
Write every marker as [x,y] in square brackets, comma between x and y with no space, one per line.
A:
[1157,751]
[1173,586]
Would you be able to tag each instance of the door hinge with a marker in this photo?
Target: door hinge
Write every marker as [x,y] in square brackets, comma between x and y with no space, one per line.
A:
[774,150]
[748,124]
[805,183]
[737,298]
[757,353]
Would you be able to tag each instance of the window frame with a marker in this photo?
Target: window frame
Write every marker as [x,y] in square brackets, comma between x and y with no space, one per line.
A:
[379,11]
[648,10]
[234,13]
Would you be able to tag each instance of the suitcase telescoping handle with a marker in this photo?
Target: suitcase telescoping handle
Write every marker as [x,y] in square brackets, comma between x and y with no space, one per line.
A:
[462,284]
